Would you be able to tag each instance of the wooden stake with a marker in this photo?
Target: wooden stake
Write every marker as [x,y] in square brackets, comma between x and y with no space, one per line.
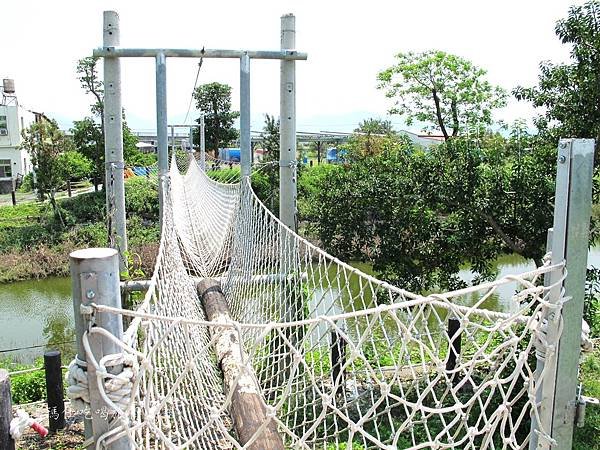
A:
[6,415]
[54,390]
[248,409]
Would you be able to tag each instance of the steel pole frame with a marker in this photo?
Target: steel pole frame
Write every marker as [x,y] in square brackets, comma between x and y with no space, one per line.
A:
[113,141]
[202,143]
[570,239]
[161,127]
[288,55]
[112,51]
[245,140]
[287,120]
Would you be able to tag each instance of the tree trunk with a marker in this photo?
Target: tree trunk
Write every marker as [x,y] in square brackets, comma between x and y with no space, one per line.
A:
[455,124]
[438,114]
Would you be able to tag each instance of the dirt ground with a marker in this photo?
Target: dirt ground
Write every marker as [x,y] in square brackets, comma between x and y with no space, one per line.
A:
[71,437]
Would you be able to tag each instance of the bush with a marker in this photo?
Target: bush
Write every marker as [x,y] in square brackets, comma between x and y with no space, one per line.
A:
[261,182]
[28,387]
[310,182]
[27,183]
[87,235]
[84,208]
[141,198]
[139,159]
[140,233]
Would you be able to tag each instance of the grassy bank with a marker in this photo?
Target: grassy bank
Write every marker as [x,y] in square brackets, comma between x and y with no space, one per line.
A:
[35,240]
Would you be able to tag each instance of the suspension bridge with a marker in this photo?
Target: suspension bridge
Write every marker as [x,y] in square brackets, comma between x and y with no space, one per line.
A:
[250,336]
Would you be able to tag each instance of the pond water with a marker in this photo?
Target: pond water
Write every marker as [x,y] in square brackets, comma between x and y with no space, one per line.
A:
[39,313]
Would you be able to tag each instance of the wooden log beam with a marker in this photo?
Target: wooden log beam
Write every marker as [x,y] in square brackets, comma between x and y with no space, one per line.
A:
[247,409]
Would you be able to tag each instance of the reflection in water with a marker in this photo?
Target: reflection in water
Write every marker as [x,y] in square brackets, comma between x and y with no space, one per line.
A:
[36,313]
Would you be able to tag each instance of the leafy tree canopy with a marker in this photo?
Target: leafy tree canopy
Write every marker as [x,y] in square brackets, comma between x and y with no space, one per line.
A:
[74,166]
[419,216]
[45,143]
[270,138]
[374,126]
[444,91]
[570,93]
[371,137]
[214,100]
[88,134]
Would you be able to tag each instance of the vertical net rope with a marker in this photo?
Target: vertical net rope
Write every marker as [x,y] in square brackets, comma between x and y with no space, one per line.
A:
[342,359]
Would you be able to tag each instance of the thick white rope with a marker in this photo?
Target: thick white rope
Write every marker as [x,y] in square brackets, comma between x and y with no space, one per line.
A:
[117,387]
[292,304]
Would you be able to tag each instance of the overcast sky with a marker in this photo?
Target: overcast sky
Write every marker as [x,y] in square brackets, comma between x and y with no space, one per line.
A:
[347,43]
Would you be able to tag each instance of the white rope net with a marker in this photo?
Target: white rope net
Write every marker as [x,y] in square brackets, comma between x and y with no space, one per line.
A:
[342,360]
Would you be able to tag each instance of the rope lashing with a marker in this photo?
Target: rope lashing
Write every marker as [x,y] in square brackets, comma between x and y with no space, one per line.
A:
[116,386]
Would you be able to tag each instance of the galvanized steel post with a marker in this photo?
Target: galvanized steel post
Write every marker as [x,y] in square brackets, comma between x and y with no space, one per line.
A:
[202,143]
[161,125]
[570,239]
[574,245]
[287,117]
[245,142]
[113,140]
[95,279]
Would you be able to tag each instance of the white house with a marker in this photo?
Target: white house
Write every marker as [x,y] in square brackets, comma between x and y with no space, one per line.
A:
[14,161]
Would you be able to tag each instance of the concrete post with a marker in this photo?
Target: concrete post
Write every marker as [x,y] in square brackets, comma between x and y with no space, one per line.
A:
[95,279]
[287,115]
[172,139]
[245,142]
[161,125]
[113,140]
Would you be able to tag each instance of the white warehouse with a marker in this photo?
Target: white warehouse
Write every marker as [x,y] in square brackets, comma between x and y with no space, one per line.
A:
[14,161]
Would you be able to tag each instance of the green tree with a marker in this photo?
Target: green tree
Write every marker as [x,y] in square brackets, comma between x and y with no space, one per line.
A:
[374,126]
[45,143]
[87,74]
[89,141]
[570,93]
[74,166]
[371,136]
[88,134]
[270,138]
[442,90]
[214,100]
[418,215]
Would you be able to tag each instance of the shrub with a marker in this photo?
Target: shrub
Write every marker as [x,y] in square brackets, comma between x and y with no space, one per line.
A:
[141,198]
[28,387]
[84,208]
[139,159]
[27,183]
